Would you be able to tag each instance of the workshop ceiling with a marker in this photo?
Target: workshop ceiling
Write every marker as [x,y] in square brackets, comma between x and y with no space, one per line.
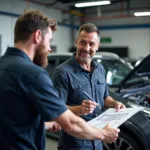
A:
[124,7]
[66,3]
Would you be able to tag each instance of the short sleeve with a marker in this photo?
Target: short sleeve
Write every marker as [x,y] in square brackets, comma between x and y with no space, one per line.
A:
[44,97]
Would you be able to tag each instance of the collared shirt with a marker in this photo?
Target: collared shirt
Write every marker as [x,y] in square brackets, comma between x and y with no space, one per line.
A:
[72,80]
[27,99]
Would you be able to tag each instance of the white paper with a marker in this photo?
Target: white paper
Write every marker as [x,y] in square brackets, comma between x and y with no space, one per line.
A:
[115,119]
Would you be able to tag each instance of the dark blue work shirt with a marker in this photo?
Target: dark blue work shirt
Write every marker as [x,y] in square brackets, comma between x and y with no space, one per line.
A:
[72,80]
[27,99]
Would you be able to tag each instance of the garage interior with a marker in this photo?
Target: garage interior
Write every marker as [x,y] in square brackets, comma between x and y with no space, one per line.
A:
[124,30]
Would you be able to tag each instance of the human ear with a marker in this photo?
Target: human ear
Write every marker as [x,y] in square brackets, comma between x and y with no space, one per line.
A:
[37,36]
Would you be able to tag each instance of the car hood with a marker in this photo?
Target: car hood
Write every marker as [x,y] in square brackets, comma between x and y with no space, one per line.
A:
[141,70]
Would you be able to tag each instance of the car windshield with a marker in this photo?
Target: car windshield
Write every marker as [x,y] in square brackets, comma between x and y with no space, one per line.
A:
[115,69]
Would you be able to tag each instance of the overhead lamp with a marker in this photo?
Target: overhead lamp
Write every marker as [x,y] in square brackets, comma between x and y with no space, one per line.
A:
[138,14]
[87,4]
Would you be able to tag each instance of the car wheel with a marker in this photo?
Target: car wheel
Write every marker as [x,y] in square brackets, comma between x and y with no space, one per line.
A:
[124,142]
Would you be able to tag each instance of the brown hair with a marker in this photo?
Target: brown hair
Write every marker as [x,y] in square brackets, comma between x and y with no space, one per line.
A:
[31,21]
[89,27]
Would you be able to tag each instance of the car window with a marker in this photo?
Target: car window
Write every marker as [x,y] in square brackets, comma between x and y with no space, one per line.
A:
[54,61]
[51,66]
[115,69]
[61,61]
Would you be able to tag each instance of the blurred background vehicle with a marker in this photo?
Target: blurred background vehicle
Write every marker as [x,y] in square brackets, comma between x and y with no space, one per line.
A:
[136,85]
[128,85]
[121,78]
[132,61]
[138,61]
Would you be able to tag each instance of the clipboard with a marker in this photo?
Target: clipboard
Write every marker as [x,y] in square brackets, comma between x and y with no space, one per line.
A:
[115,119]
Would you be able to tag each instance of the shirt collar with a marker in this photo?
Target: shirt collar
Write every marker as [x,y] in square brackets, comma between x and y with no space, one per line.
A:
[17,52]
[77,67]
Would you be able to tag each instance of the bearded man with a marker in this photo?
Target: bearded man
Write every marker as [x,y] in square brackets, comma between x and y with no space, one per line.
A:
[27,95]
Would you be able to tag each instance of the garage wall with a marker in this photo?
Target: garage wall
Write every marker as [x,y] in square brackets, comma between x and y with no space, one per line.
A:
[5,31]
[61,40]
[131,32]
[137,40]
[126,30]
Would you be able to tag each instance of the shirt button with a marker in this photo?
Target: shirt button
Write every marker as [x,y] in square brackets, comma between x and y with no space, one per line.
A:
[96,114]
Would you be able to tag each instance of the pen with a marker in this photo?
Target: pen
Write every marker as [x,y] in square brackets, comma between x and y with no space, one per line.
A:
[91,98]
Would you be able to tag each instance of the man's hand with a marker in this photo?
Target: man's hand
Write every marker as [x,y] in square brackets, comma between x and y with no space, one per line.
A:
[110,134]
[109,102]
[52,126]
[87,107]
[119,105]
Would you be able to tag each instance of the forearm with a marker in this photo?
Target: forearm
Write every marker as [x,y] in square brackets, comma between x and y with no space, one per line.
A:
[109,102]
[77,127]
[82,130]
[75,109]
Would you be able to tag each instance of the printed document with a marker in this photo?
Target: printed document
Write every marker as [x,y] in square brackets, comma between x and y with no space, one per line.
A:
[115,119]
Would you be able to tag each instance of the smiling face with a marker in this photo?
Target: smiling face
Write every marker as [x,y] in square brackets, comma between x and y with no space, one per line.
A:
[87,44]
[43,49]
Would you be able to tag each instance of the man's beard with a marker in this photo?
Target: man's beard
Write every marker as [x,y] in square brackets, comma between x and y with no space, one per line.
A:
[40,57]
[83,59]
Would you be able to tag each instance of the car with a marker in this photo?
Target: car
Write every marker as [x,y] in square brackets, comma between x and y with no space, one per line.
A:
[138,61]
[135,132]
[131,61]
[136,85]
[117,71]
[116,68]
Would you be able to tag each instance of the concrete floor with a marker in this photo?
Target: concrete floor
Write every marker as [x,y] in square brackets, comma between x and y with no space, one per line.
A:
[51,144]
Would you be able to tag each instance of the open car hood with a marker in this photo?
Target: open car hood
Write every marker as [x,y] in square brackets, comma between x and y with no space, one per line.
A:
[141,70]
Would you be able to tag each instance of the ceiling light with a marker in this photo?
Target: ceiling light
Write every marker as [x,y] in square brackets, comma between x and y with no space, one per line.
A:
[142,13]
[87,4]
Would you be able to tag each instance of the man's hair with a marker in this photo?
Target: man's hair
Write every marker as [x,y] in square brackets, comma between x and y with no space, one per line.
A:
[30,22]
[88,27]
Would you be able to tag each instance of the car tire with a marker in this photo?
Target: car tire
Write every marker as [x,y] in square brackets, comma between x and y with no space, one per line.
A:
[123,142]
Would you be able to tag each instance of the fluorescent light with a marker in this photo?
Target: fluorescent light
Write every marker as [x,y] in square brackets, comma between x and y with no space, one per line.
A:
[92,3]
[142,13]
